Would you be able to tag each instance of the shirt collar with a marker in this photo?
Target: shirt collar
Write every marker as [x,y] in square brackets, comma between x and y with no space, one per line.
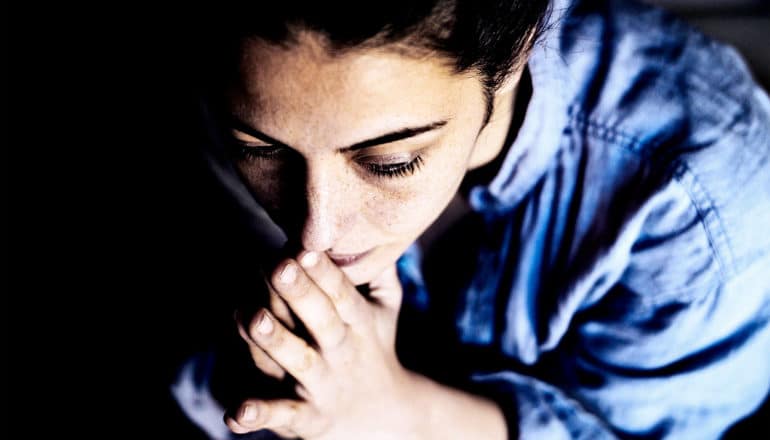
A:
[539,136]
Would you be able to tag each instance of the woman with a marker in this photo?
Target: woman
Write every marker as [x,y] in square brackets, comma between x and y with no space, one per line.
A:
[502,219]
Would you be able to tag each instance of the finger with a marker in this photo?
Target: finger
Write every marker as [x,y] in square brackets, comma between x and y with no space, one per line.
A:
[281,310]
[386,292]
[285,417]
[260,358]
[239,429]
[311,305]
[302,392]
[289,351]
[350,305]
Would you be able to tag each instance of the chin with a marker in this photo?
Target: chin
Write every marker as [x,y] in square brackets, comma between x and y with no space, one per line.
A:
[372,266]
[366,271]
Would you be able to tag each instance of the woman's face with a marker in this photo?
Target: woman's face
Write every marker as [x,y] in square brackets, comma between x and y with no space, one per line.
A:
[355,155]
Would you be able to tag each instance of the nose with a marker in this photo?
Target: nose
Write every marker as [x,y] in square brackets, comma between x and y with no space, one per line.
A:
[327,208]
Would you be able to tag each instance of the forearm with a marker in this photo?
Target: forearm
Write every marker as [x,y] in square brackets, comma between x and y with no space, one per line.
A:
[449,413]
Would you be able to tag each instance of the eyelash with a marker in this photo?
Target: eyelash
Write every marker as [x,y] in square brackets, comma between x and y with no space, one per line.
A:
[395,170]
[261,152]
[380,170]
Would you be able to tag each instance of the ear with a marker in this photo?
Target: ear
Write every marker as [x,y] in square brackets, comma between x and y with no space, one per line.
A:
[510,82]
[514,76]
[492,136]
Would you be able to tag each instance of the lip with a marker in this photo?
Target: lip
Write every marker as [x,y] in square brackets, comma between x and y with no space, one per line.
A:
[342,260]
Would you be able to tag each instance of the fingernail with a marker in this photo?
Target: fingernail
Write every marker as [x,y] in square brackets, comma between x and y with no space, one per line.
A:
[309,259]
[288,274]
[265,325]
[249,413]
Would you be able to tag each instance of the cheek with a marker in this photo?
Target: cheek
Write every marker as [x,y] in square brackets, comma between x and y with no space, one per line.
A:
[268,183]
[407,212]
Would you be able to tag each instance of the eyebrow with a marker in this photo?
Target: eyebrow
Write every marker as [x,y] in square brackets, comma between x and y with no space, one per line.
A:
[397,135]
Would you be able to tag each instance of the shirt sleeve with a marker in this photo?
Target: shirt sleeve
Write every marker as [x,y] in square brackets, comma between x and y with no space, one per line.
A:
[533,409]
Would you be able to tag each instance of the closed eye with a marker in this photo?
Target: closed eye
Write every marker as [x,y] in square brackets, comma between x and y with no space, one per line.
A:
[258,150]
[243,149]
[393,170]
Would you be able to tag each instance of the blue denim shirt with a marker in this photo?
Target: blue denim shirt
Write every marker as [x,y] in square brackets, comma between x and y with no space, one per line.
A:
[621,285]
[617,278]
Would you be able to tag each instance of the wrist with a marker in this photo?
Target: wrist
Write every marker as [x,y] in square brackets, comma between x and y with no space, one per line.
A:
[439,411]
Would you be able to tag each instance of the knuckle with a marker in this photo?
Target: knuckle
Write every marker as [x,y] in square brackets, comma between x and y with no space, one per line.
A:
[301,286]
[340,286]
[349,310]
[328,324]
[338,338]
[307,360]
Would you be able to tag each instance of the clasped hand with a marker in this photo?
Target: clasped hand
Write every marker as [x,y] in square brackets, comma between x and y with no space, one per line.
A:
[349,381]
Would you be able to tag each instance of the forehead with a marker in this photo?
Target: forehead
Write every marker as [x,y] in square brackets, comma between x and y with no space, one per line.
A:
[304,89]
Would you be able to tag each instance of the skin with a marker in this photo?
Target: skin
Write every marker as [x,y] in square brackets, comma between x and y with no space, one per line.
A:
[317,105]
[329,199]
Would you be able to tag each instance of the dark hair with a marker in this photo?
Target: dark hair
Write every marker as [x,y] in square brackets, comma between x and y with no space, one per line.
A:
[489,37]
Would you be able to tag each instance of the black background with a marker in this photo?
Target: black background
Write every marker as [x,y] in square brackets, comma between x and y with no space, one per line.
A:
[115,230]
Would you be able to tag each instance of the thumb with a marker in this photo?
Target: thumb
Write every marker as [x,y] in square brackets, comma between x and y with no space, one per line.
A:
[386,289]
